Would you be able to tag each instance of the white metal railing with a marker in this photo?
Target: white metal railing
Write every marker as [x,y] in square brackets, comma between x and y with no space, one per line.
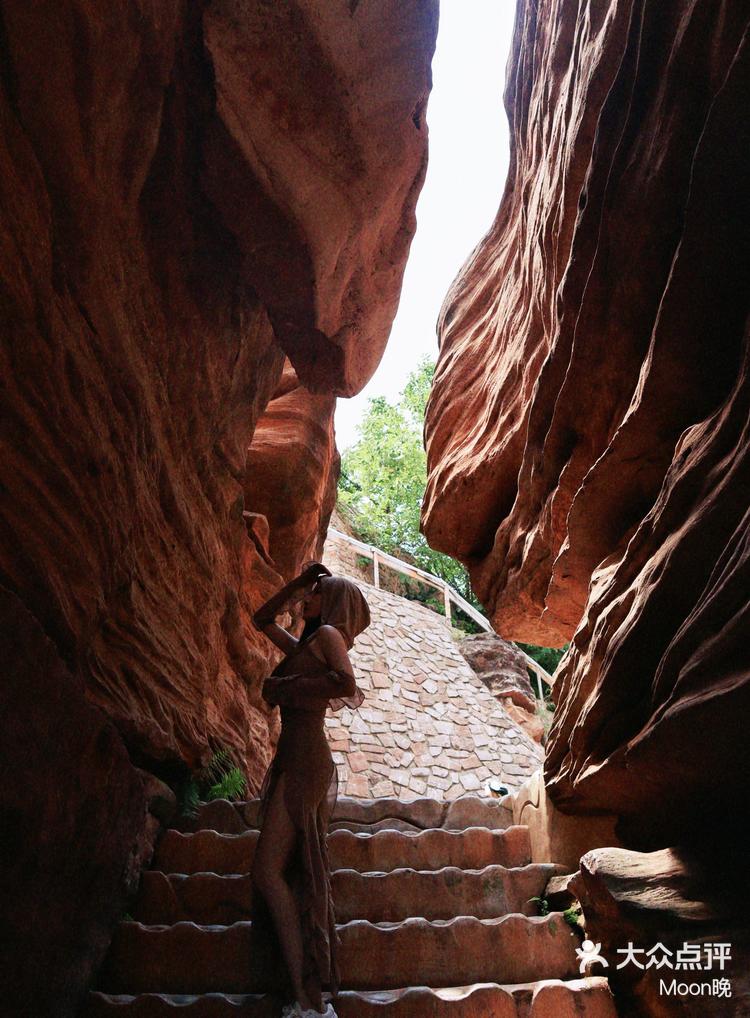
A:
[380,557]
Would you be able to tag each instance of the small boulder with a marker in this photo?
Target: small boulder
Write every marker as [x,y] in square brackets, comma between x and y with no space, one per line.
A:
[502,668]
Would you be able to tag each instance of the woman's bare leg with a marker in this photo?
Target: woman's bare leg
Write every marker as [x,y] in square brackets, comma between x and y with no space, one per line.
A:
[271,857]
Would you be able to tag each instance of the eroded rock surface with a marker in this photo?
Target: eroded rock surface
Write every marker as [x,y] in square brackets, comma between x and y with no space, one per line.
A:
[501,666]
[292,470]
[319,146]
[65,871]
[158,257]
[587,429]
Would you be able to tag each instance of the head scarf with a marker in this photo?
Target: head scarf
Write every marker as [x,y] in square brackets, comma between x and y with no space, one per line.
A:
[343,606]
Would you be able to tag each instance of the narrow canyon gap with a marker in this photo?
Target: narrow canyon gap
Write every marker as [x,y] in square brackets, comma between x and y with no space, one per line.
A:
[206,212]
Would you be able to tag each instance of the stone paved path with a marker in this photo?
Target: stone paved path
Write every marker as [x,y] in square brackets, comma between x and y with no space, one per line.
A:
[428,726]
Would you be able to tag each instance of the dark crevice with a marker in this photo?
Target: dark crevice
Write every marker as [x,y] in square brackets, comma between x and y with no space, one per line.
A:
[8,77]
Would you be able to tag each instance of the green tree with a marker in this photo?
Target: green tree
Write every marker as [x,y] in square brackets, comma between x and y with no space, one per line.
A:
[383,479]
[382,484]
[547,657]
[417,391]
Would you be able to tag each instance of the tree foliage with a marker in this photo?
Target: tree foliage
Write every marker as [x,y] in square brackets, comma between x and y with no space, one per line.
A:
[383,479]
[382,484]
[219,779]
[547,657]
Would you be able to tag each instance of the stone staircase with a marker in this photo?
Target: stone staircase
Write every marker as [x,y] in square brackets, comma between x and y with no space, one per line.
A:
[432,900]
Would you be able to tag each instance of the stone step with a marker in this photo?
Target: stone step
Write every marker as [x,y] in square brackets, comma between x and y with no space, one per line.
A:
[472,848]
[185,958]
[207,898]
[576,998]
[366,815]
[486,893]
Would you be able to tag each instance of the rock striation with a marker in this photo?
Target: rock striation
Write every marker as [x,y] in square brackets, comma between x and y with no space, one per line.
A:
[587,429]
[158,263]
[190,194]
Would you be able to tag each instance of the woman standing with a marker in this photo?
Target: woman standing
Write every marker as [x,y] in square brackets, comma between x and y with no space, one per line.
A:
[291,871]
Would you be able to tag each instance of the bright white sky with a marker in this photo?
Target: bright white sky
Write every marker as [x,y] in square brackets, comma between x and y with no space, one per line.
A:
[468,163]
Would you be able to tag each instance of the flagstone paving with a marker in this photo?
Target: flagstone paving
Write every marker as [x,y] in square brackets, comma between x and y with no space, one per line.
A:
[428,725]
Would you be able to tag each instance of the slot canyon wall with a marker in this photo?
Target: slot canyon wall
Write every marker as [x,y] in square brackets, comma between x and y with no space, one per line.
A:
[206,212]
[587,431]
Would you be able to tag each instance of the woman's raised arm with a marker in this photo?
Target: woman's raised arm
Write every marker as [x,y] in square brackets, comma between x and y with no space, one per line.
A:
[264,617]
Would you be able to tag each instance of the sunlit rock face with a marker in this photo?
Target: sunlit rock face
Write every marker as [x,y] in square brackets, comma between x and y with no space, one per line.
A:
[292,470]
[190,193]
[502,668]
[319,145]
[586,430]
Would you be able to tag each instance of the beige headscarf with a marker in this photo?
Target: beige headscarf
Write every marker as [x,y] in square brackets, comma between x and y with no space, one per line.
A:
[343,606]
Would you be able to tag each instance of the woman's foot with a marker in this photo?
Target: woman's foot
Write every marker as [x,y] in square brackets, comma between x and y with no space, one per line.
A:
[296,1010]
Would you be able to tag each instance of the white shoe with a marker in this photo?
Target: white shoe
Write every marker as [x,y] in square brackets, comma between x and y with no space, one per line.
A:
[310,1012]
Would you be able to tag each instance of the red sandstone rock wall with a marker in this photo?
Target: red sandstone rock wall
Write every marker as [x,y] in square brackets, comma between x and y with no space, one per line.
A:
[75,828]
[189,192]
[185,194]
[292,471]
[587,428]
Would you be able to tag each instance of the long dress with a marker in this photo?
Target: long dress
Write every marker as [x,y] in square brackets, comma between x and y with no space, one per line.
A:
[310,793]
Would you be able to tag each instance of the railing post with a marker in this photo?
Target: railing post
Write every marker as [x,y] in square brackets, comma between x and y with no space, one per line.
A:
[439,584]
